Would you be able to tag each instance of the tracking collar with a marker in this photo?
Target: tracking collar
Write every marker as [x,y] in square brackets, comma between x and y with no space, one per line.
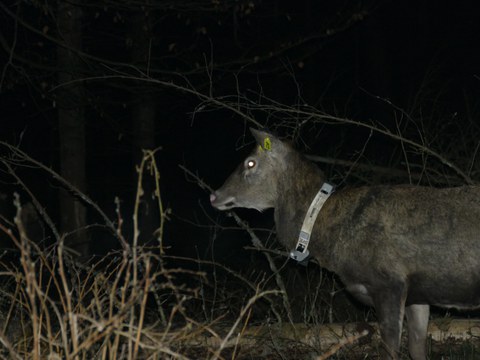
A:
[301,253]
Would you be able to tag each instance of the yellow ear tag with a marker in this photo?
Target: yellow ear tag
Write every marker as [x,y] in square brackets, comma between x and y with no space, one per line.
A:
[267,144]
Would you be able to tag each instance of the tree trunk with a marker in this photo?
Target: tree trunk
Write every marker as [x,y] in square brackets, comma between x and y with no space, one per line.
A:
[143,118]
[71,119]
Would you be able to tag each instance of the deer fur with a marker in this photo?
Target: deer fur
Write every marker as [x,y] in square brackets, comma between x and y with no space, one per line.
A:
[397,248]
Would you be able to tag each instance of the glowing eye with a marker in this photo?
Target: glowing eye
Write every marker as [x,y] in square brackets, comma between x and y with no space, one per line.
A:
[251,164]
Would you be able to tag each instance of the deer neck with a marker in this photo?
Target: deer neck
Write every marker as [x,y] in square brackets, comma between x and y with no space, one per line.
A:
[296,193]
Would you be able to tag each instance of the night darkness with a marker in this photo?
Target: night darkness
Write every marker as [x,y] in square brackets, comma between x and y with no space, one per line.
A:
[187,78]
[377,62]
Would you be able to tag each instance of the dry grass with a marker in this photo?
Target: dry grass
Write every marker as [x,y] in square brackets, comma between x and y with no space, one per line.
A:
[107,310]
[60,309]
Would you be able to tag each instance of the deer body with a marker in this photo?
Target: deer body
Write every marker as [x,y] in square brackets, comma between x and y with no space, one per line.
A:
[396,248]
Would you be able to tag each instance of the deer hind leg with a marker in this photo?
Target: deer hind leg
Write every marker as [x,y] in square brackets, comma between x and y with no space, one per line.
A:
[417,323]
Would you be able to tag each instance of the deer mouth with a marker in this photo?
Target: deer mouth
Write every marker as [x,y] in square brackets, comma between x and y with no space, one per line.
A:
[222,204]
[226,205]
[229,205]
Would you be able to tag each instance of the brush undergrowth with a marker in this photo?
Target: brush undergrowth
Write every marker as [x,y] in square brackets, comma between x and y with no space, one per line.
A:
[139,303]
[134,303]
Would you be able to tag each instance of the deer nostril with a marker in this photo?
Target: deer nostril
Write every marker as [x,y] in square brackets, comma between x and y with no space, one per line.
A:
[213,197]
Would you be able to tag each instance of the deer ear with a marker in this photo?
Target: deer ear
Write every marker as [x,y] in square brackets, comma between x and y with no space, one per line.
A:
[270,143]
[264,139]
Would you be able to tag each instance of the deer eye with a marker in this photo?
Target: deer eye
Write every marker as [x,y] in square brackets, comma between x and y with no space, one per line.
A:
[251,164]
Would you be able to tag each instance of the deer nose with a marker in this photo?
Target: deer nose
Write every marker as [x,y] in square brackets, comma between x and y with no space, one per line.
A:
[213,197]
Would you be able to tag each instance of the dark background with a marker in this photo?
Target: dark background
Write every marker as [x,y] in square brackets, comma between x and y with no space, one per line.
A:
[399,65]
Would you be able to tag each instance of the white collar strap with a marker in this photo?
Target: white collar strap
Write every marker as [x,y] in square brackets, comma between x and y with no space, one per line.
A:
[300,253]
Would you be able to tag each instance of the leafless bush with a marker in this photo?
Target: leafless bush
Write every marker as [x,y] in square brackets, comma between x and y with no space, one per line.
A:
[128,304]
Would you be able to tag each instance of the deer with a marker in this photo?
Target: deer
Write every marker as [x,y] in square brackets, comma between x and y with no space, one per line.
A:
[397,248]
